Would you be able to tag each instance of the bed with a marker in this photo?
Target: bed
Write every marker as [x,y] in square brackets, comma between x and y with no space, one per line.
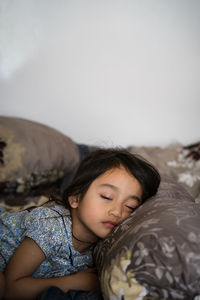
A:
[155,253]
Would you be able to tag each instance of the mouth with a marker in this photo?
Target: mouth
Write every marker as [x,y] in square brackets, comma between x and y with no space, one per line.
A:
[109,224]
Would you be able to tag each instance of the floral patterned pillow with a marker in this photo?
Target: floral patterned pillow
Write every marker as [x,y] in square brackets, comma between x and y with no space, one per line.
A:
[155,253]
[178,161]
[32,154]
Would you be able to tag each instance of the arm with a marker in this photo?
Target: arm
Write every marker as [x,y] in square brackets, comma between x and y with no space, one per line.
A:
[2,284]
[21,285]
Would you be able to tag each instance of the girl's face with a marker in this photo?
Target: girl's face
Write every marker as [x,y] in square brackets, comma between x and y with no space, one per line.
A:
[110,199]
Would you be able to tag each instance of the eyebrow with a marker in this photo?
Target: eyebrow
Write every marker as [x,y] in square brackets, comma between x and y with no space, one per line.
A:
[115,188]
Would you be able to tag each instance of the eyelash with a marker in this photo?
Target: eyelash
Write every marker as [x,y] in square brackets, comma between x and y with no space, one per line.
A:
[129,207]
[104,197]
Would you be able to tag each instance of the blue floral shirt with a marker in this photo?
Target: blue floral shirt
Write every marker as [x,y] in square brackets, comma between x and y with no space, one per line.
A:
[50,228]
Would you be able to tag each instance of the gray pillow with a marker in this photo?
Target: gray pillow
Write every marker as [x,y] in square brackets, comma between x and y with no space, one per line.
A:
[178,161]
[155,252]
[33,154]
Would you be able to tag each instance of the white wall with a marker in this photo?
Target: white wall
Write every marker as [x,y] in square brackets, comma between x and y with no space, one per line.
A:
[105,72]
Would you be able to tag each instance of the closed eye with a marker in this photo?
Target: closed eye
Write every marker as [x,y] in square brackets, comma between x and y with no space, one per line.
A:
[105,197]
[131,208]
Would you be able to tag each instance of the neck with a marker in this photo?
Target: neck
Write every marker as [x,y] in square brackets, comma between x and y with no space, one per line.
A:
[78,230]
[81,241]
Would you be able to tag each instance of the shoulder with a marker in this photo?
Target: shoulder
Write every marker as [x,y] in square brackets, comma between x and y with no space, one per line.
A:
[49,211]
[46,226]
[47,219]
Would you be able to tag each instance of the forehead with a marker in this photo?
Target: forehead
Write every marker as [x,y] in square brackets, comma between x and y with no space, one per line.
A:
[120,181]
[116,175]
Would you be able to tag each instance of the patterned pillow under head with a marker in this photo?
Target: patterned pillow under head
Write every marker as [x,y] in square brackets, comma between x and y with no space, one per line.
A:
[155,253]
[32,154]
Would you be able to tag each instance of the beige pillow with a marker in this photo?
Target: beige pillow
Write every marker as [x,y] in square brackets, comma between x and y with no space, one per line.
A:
[33,154]
[176,161]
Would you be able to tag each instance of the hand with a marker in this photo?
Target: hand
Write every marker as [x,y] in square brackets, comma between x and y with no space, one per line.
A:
[86,280]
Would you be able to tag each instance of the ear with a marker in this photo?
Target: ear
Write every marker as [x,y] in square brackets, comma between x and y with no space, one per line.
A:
[73,201]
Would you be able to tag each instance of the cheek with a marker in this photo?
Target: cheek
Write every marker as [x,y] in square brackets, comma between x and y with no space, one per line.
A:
[90,208]
[126,214]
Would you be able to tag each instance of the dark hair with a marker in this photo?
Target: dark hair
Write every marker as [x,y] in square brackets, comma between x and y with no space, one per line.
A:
[99,161]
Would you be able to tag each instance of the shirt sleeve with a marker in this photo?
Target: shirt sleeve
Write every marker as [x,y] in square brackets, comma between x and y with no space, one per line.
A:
[45,227]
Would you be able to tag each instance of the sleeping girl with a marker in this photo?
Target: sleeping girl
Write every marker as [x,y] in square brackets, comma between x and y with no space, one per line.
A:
[52,246]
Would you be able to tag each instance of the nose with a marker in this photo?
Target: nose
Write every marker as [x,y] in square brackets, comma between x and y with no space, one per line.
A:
[116,210]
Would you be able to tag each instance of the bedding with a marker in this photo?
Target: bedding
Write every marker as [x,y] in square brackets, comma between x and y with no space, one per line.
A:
[34,158]
[154,254]
[180,162]
[33,154]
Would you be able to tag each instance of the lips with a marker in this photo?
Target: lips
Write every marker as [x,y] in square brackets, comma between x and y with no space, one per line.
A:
[109,224]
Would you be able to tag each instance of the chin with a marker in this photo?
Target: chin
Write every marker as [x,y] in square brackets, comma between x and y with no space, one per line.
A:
[103,236]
